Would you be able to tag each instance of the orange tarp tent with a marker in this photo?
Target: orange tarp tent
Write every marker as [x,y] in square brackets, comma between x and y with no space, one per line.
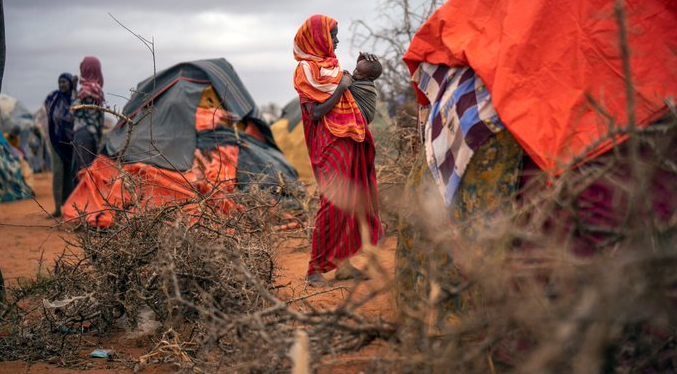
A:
[542,59]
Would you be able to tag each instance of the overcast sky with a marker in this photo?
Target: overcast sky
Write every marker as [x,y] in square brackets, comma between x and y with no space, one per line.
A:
[47,37]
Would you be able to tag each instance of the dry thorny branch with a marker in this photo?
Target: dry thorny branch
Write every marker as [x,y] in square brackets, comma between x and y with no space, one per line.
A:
[524,303]
[208,282]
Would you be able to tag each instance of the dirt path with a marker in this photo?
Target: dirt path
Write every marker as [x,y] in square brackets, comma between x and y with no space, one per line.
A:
[27,233]
[30,239]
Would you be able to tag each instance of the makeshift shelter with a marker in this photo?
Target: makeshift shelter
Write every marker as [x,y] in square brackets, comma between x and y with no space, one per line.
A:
[289,136]
[194,130]
[24,133]
[555,72]
[13,186]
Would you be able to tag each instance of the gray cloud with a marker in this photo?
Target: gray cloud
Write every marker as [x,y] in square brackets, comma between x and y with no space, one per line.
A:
[183,6]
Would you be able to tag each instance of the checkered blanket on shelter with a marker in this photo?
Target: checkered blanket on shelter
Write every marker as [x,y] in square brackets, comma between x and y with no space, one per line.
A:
[459,120]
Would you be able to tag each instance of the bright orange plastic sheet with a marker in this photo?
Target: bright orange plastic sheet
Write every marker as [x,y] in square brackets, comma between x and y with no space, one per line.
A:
[540,58]
[103,188]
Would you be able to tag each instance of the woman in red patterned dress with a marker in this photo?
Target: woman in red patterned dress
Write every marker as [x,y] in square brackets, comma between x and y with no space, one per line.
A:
[341,151]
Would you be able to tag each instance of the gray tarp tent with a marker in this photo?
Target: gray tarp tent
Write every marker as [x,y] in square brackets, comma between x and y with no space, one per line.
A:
[163,108]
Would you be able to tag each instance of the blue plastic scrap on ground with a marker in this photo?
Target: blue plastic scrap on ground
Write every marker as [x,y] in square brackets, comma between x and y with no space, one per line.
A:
[101,353]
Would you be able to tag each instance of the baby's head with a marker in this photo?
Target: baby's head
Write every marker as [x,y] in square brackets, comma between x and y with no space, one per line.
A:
[367,70]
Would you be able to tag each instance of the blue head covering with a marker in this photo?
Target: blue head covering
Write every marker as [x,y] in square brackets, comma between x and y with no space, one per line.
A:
[69,77]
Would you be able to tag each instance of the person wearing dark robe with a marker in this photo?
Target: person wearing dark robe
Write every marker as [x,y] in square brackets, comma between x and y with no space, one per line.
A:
[60,127]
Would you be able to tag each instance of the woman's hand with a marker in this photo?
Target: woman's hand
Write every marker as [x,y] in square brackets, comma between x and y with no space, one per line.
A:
[321,109]
[367,56]
[346,80]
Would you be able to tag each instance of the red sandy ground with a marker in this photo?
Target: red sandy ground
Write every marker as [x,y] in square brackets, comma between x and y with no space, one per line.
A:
[28,235]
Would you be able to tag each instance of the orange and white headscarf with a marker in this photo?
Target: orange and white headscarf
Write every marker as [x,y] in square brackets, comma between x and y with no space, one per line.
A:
[318,74]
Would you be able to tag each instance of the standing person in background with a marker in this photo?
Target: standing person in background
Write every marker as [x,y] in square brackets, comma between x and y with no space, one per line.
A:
[88,124]
[341,151]
[60,126]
